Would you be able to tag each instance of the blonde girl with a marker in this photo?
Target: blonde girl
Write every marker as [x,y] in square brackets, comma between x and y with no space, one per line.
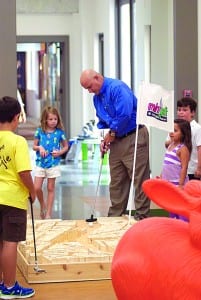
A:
[50,144]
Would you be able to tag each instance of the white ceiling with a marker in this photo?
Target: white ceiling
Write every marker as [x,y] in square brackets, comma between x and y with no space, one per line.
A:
[47,6]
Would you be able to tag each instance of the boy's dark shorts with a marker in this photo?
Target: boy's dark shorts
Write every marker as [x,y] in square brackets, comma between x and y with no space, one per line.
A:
[13,223]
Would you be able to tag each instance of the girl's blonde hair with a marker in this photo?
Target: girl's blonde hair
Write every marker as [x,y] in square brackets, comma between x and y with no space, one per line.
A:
[50,110]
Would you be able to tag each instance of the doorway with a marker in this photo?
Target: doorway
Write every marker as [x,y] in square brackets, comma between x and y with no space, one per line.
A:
[43,74]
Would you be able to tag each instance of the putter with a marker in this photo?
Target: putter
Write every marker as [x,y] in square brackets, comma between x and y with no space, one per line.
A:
[92,219]
[36,267]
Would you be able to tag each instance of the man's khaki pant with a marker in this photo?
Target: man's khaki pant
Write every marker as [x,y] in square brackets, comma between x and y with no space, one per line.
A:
[121,168]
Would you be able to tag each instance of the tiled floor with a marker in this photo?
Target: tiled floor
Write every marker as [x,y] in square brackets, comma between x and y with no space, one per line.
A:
[75,198]
[76,189]
[78,194]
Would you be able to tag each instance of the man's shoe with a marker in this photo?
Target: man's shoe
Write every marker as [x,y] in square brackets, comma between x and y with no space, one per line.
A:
[139,217]
[16,292]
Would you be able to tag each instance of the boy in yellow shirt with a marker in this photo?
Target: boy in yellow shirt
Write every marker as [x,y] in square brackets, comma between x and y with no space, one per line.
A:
[16,186]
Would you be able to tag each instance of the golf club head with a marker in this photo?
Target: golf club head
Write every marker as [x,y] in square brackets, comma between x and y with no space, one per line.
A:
[38,270]
[92,219]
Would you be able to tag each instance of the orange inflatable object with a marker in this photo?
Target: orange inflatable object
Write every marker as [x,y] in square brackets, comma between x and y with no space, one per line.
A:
[159,258]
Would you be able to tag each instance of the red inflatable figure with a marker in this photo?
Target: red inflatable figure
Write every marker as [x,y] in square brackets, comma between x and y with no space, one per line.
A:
[159,258]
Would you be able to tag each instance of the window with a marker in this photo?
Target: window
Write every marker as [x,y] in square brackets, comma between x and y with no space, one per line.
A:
[101,52]
[125,40]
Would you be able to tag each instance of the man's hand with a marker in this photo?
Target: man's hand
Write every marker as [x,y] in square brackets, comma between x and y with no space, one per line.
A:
[109,139]
[103,147]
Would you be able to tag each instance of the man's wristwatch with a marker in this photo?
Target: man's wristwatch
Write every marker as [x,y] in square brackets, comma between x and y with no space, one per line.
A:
[112,133]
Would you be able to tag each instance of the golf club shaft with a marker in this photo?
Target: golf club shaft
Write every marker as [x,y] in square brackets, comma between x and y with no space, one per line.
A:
[98,183]
[33,229]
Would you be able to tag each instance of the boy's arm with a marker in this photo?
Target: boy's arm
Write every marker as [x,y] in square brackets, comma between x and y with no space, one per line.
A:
[26,178]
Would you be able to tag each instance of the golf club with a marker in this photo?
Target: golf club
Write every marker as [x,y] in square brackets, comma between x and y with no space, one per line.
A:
[92,219]
[36,267]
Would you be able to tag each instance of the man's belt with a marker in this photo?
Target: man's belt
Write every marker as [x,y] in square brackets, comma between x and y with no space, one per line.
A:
[130,132]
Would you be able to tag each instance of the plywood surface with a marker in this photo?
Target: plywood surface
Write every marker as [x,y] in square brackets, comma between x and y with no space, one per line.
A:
[71,250]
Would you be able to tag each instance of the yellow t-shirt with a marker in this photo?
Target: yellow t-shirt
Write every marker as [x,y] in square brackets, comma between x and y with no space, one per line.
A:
[14,158]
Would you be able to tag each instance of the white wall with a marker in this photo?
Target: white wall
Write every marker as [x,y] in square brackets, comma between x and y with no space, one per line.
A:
[95,17]
[100,21]
[60,25]
[162,72]
[82,28]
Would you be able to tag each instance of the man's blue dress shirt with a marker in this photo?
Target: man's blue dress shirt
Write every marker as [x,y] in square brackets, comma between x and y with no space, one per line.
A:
[116,107]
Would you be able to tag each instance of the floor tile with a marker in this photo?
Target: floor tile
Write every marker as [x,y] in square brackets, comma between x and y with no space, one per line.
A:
[78,194]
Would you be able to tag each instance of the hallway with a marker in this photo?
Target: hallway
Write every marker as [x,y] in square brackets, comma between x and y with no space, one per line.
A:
[75,198]
[75,194]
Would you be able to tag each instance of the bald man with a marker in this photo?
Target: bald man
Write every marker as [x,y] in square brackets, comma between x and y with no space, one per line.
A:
[116,108]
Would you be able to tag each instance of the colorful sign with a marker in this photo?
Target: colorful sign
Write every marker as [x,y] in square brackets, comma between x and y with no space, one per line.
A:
[155,106]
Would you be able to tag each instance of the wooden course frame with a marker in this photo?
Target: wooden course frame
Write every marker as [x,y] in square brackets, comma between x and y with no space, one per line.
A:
[101,235]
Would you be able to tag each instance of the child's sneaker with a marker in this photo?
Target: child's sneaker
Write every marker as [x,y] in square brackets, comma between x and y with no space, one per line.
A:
[16,292]
[1,287]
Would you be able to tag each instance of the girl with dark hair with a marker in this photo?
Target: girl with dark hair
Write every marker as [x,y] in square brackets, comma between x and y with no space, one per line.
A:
[177,156]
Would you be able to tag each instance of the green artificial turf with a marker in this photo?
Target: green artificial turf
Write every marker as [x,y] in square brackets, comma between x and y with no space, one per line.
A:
[154,213]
